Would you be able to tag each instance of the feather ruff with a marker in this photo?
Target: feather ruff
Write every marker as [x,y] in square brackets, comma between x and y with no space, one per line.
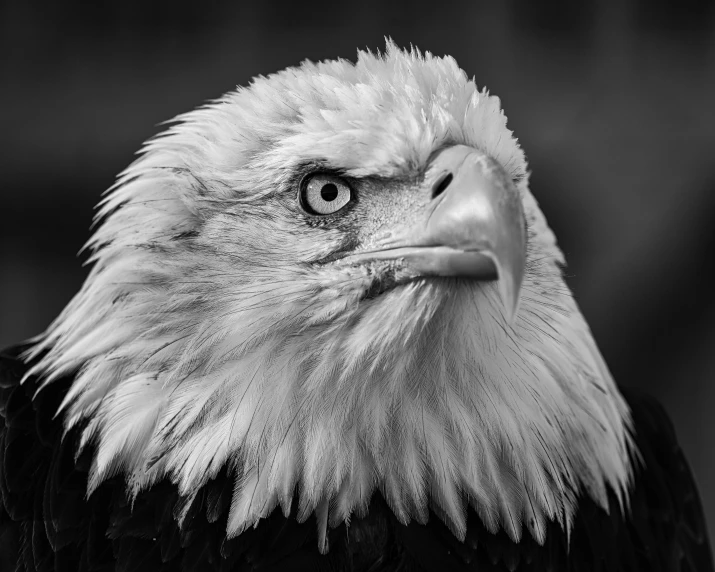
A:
[205,336]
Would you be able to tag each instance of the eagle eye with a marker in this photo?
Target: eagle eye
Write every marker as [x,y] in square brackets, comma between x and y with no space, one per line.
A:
[324,194]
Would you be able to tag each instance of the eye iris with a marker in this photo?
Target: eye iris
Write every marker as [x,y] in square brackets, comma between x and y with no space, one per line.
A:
[324,194]
[329,192]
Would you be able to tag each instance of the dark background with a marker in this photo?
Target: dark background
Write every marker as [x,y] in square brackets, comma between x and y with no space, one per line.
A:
[613,102]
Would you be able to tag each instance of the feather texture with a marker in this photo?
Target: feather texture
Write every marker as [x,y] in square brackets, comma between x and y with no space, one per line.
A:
[48,523]
[211,332]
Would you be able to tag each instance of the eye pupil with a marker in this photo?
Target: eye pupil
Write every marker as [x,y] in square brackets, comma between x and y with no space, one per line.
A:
[329,192]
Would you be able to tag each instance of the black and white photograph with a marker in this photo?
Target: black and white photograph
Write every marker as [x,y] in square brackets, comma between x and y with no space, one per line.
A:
[382,286]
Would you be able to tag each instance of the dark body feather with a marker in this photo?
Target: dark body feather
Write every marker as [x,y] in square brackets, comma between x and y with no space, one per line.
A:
[47,524]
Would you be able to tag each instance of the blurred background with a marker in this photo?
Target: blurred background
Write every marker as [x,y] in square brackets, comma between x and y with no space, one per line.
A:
[613,101]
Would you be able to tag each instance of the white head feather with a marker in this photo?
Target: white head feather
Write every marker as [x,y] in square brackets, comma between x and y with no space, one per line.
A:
[205,335]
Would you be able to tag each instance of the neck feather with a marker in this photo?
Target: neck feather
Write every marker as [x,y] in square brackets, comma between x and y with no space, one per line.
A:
[424,393]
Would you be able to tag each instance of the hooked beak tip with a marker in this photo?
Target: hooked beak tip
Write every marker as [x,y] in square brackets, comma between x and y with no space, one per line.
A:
[510,274]
[510,298]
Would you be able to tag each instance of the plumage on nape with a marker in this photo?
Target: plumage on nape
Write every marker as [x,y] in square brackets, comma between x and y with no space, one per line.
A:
[216,327]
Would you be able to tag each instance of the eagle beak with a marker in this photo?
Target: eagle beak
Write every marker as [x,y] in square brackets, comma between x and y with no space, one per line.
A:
[474,227]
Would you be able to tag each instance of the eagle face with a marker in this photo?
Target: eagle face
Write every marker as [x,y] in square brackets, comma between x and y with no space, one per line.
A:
[315,280]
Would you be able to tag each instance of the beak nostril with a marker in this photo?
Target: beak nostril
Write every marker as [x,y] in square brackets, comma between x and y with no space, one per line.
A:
[441,185]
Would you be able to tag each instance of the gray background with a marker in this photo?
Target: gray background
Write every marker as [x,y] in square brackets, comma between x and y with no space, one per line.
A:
[613,102]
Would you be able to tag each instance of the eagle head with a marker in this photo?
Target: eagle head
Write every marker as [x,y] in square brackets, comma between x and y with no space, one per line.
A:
[336,281]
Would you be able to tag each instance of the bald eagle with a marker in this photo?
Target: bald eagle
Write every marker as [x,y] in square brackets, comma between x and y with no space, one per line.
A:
[326,328]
